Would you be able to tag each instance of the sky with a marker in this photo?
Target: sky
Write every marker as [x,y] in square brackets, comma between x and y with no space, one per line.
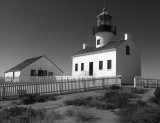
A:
[58,28]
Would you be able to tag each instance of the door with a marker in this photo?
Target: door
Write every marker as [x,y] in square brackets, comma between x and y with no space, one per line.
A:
[91,68]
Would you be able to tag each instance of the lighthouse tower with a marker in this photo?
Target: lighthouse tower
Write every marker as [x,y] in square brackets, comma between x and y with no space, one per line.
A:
[104,31]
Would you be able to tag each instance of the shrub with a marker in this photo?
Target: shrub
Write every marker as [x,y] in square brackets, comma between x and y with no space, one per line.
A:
[110,94]
[84,115]
[52,116]
[70,111]
[157,92]
[20,114]
[33,98]
[115,87]
[28,99]
[117,99]
[79,101]
[141,103]
[17,102]
[138,90]
[139,113]
[154,100]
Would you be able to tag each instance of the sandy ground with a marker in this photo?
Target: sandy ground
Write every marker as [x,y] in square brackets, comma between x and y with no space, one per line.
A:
[103,116]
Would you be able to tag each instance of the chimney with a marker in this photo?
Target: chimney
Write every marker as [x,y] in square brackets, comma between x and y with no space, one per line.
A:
[127,37]
[84,46]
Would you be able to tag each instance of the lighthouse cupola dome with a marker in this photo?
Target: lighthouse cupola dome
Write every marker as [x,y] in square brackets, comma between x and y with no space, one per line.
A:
[104,18]
[104,31]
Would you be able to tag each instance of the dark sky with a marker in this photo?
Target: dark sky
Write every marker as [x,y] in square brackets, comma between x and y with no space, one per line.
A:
[58,28]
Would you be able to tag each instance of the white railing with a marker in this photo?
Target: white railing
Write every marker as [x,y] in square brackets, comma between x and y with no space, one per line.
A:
[11,90]
[146,82]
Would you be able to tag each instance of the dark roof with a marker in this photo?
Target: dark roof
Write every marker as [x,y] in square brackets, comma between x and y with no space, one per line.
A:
[28,62]
[24,64]
[111,45]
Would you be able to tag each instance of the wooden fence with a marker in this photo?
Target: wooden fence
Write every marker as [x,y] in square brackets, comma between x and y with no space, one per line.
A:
[9,90]
[146,82]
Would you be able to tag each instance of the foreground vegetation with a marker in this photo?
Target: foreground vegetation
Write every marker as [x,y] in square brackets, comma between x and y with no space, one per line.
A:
[80,108]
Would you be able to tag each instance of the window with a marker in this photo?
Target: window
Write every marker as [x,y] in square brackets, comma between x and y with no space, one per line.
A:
[40,72]
[100,65]
[82,66]
[109,64]
[44,72]
[76,67]
[127,50]
[33,72]
[50,73]
[98,42]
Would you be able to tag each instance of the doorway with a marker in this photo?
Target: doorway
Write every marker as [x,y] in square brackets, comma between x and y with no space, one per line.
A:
[90,68]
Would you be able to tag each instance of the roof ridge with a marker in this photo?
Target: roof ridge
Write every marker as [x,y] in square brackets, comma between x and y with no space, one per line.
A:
[110,45]
[24,64]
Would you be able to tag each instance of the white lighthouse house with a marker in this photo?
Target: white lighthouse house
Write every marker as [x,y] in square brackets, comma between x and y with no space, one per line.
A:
[108,57]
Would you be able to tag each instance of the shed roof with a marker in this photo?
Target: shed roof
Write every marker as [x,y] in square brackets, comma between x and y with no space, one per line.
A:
[27,62]
[110,45]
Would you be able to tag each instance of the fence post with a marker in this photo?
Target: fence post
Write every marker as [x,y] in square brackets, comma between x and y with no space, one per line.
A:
[3,92]
[120,77]
[84,85]
[134,82]
[103,83]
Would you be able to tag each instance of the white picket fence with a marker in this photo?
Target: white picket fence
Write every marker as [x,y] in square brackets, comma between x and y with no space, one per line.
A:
[146,82]
[9,90]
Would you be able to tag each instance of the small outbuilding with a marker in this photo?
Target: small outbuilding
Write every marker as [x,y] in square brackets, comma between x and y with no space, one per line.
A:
[34,67]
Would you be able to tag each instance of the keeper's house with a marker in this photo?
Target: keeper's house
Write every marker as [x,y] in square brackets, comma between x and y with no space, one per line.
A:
[39,66]
[108,57]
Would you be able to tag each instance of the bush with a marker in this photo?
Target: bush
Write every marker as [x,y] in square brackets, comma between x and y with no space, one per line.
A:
[141,103]
[157,92]
[79,101]
[154,100]
[33,98]
[17,102]
[138,90]
[52,116]
[139,113]
[84,115]
[70,111]
[117,99]
[20,114]
[115,87]
[110,94]
[110,100]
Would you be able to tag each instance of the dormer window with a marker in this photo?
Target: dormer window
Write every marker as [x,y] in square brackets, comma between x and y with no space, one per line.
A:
[98,42]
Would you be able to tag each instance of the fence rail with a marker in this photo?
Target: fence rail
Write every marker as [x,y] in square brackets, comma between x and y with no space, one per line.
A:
[9,90]
[146,82]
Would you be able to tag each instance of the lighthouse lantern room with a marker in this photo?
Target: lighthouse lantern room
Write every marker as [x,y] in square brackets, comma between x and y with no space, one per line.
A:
[104,31]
